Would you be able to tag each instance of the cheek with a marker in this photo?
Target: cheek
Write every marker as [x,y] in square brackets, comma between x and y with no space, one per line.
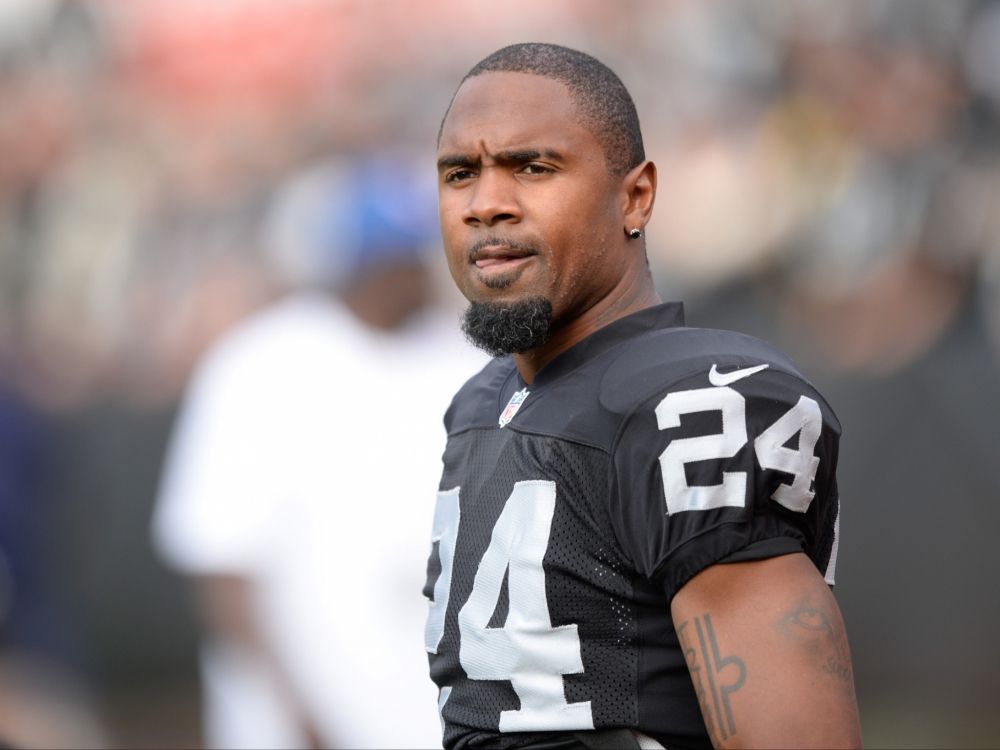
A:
[585,240]
[603,231]
[456,268]
[451,240]
[588,263]
[451,205]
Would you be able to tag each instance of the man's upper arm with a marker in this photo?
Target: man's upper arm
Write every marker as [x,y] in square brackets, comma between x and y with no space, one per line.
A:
[768,655]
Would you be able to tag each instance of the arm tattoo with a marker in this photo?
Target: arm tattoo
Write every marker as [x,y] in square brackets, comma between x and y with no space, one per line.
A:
[813,627]
[707,665]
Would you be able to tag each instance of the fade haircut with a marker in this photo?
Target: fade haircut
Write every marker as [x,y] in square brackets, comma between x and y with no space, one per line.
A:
[602,101]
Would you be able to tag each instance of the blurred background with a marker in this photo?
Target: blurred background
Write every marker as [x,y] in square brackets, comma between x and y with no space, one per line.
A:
[829,181]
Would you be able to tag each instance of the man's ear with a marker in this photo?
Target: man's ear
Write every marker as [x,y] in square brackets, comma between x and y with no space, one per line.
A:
[639,189]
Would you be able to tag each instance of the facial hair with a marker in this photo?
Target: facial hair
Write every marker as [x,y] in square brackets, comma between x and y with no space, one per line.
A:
[500,329]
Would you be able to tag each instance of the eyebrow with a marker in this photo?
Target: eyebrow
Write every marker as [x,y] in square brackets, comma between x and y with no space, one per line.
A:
[456,160]
[511,156]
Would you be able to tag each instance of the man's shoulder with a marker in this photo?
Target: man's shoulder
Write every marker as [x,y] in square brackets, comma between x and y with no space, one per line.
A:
[589,403]
[296,321]
[659,361]
[685,371]
[287,336]
[593,404]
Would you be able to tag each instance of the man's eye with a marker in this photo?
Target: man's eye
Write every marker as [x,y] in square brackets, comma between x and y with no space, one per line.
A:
[536,169]
[458,175]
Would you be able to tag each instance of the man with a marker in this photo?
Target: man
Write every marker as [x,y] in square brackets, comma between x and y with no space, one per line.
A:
[635,518]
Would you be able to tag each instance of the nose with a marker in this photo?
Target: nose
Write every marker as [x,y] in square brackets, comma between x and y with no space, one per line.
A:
[492,200]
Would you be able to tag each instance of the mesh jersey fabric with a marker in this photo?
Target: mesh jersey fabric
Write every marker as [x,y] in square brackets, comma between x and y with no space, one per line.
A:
[571,497]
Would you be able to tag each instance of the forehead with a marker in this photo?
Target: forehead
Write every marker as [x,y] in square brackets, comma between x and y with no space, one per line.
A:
[503,109]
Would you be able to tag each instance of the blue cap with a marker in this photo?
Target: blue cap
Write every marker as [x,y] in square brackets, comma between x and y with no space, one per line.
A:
[338,221]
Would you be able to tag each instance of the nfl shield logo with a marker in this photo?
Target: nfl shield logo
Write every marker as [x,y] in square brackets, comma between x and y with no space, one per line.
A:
[512,406]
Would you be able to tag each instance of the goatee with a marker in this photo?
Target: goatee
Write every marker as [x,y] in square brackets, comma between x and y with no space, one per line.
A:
[508,328]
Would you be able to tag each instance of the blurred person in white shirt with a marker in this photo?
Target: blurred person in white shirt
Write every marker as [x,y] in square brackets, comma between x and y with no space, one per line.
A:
[301,476]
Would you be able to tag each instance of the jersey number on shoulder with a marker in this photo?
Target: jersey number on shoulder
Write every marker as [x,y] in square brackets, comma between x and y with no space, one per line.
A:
[527,650]
[803,419]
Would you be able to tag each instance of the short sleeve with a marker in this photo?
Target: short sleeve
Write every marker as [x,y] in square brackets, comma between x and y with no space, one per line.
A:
[710,473]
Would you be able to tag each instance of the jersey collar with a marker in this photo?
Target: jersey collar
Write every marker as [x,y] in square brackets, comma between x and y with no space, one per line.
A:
[666,315]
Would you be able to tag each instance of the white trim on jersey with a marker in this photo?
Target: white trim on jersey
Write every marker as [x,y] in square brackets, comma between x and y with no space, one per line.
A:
[831,566]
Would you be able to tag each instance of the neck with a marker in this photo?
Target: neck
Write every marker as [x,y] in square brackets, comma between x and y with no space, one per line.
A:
[632,294]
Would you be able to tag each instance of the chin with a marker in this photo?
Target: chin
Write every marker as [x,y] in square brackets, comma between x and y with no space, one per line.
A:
[498,283]
[504,298]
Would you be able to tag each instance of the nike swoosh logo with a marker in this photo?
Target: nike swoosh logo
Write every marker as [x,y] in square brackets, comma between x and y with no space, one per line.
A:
[726,378]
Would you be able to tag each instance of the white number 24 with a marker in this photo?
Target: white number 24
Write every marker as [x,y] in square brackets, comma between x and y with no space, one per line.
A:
[804,418]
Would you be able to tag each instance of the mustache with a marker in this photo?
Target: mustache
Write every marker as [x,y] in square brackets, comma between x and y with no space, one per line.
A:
[494,241]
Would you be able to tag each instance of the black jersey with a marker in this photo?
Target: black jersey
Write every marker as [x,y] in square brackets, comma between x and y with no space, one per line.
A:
[572,510]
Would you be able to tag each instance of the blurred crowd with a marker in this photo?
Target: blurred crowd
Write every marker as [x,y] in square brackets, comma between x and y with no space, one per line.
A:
[829,180]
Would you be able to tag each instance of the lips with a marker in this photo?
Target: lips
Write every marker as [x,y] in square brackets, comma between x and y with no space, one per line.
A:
[493,256]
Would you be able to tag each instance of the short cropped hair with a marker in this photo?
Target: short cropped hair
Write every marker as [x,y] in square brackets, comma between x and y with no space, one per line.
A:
[604,104]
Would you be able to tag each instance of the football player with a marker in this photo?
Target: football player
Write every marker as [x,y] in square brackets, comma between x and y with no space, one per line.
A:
[636,527]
